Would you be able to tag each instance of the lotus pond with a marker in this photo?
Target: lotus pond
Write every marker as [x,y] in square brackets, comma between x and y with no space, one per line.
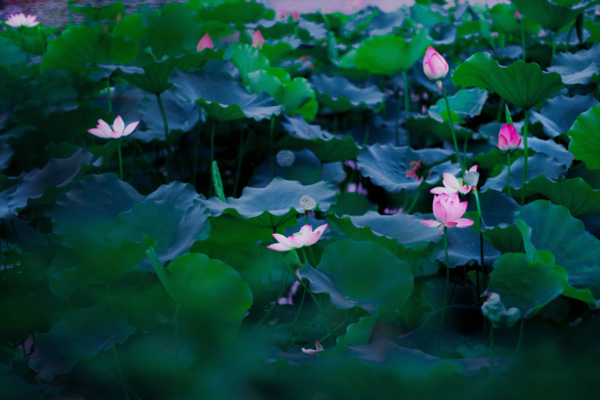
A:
[214,201]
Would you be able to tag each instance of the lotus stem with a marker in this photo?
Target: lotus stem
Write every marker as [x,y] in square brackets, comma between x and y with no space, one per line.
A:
[176,322]
[406,99]
[508,175]
[479,214]
[526,155]
[195,155]
[445,290]
[167,138]
[238,168]
[414,202]
[492,350]
[366,136]
[120,158]
[523,42]
[318,173]
[212,156]
[451,123]
[553,44]
[289,341]
[110,107]
[271,157]
[114,350]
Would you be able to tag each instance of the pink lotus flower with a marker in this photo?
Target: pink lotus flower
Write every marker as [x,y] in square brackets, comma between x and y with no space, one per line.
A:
[453,184]
[508,138]
[518,16]
[448,209]
[257,40]
[103,130]
[311,352]
[434,65]
[204,43]
[16,20]
[306,237]
[295,15]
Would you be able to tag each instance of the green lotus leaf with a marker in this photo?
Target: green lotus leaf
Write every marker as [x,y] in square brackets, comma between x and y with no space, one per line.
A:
[527,282]
[503,17]
[464,246]
[153,78]
[426,126]
[201,283]
[579,68]
[326,146]
[340,95]
[555,230]
[506,240]
[107,12]
[522,84]
[80,333]
[464,103]
[553,150]
[537,165]
[274,204]
[559,113]
[44,185]
[342,272]
[429,15]
[552,15]
[296,96]
[389,54]
[393,168]
[223,98]
[279,50]
[247,59]
[237,12]
[358,332]
[172,30]
[10,54]
[79,46]
[585,138]
[575,194]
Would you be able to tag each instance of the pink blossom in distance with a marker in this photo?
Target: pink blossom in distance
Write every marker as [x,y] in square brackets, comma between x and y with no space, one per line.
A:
[118,129]
[311,352]
[508,138]
[434,65]
[448,209]
[453,184]
[16,20]
[257,40]
[204,43]
[306,237]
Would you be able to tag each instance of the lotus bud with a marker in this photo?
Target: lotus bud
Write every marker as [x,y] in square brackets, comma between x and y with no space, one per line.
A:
[434,65]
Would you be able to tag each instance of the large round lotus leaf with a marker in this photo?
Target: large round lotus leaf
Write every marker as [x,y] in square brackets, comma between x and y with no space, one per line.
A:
[522,84]
[553,150]
[172,30]
[80,333]
[559,113]
[527,282]
[537,165]
[181,115]
[575,194]
[554,229]
[326,146]
[10,54]
[505,240]
[498,209]
[391,54]
[49,181]
[199,282]
[340,95]
[274,204]
[579,68]
[464,103]
[310,31]
[223,98]
[79,46]
[153,78]
[247,59]
[503,17]
[361,273]
[279,50]
[426,126]
[552,15]
[464,246]
[394,168]
[585,138]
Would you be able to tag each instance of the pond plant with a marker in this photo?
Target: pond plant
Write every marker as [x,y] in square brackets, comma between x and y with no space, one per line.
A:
[195,272]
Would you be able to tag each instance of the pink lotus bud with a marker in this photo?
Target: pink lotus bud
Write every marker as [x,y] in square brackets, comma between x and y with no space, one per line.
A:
[448,210]
[295,15]
[434,65]
[508,138]
[518,16]
[257,40]
[204,43]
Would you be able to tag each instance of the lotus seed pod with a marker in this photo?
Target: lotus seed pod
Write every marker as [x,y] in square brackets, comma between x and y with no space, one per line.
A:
[285,158]
[498,314]
[308,203]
